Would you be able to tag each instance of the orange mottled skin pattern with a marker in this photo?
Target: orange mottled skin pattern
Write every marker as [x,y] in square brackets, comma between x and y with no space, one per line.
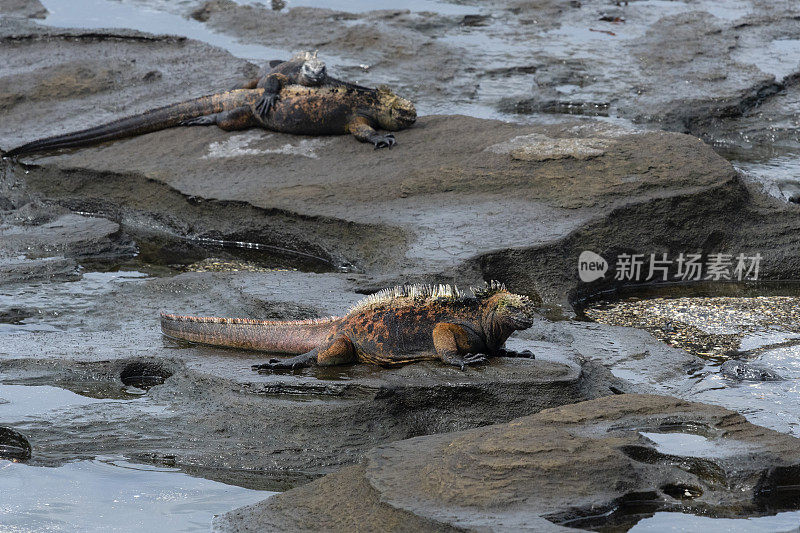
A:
[457,331]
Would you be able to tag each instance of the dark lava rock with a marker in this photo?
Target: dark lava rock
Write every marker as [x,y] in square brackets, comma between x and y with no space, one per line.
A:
[99,75]
[575,465]
[743,371]
[458,199]
[14,445]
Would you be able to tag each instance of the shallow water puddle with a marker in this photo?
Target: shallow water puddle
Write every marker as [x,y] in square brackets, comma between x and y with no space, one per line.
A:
[111,494]
[779,176]
[361,6]
[18,402]
[104,494]
[105,14]
[668,521]
[688,445]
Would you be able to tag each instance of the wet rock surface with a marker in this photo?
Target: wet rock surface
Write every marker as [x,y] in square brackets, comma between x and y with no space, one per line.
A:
[720,60]
[572,466]
[258,430]
[730,67]
[459,199]
[69,235]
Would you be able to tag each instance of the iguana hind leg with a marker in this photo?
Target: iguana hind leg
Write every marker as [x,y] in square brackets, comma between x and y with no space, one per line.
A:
[338,352]
[240,118]
[454,345]
[306,359]
[364,132]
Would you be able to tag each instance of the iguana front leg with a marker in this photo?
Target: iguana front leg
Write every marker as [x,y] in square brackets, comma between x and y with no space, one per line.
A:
[454,345]
[272,85]
[362,130]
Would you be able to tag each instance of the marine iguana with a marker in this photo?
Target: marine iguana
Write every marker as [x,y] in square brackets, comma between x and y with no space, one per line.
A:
[304,68]
[328,110]
[391,327]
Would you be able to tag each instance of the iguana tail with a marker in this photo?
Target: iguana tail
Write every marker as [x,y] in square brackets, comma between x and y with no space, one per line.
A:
[291,336]
[149,121]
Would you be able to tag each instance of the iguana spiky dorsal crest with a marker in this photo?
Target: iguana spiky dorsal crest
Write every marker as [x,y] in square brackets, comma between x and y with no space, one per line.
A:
[421,294]
[493,287]
[409,294]
[313,68]
[304,55]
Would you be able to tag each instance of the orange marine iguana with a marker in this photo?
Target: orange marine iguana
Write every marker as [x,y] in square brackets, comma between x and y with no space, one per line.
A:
[391,327]
[289,100]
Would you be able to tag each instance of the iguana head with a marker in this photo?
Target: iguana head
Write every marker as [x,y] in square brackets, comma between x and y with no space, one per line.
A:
[394,113]
[313,71]
[514,310]
[504,312]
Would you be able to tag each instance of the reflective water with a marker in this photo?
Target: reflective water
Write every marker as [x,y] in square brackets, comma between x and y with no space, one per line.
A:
[664,521]
[688,445]
[759,330]
[104,494]
[20,402]
[111,494]
[138,16]
[360,6]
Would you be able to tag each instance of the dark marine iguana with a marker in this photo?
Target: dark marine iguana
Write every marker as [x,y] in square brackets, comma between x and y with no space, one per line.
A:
[333,109]
[391,327]
[304,68]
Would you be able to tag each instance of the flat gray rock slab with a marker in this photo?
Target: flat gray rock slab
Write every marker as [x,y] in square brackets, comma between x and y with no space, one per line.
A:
[565,466]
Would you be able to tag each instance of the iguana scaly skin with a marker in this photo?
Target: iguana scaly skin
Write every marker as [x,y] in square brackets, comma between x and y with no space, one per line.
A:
[304,68]
[327,110]
[394,326]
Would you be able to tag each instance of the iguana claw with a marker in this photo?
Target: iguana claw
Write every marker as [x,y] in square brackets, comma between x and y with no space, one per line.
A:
[469,359]
[265,103]
[385,141]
